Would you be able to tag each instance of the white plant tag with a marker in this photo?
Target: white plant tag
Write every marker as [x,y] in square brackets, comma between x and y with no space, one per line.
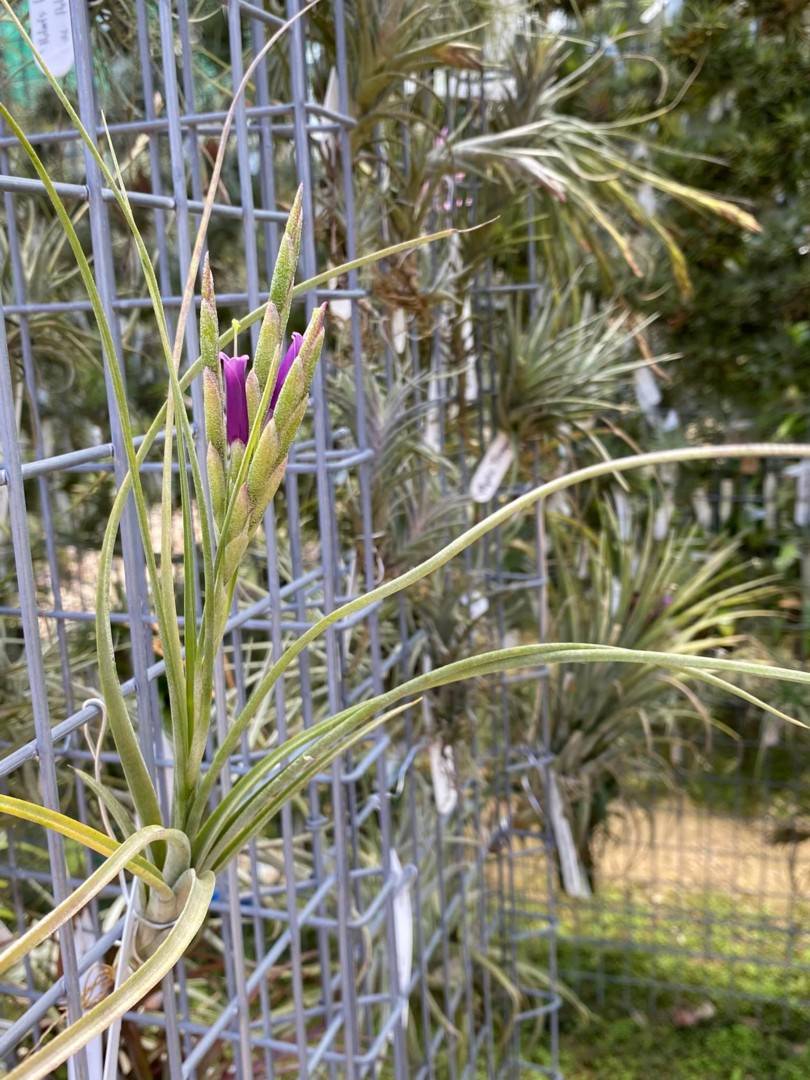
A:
[663,516]
[433,422]
[575,881]
[341,309]
[492,468]
[671,421]
[615,594]
[801,512]
[770,733]
[468,345]
[477,604]
[771,505]
[403,930]
[726,498]
[653,11]
[399,330]
[702,508]
[331,101]
[51,33]
[91,983]
[648,394]
[443,775]
[624,518]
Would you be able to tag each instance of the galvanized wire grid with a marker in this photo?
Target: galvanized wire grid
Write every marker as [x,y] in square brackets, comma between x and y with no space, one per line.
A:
[702,884]
[301,963]
[299,969]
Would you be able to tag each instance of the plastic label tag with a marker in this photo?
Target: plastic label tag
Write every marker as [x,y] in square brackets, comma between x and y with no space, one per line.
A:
[52,35]
[492,468]
[443,775]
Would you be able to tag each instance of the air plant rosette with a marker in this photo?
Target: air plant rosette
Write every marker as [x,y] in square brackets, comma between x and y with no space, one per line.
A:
[252,414]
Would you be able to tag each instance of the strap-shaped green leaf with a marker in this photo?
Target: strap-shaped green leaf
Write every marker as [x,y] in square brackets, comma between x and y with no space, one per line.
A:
[287,784]
[248,808]
[118,812]
[81,833]
[43,1063]
[267,798]
[454,548]
[73,903]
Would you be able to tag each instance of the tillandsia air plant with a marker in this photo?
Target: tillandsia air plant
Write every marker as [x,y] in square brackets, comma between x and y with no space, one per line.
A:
[252,414]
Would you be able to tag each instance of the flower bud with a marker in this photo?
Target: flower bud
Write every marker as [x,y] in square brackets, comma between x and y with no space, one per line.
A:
[216,484]
[264,462]
[299,379]
[287,260]
[213,410]
[288,433]
[236,453]
[238,535]
[254,396]
[234,553]
[271,486]
[268,347]
[240,514]
[209,324]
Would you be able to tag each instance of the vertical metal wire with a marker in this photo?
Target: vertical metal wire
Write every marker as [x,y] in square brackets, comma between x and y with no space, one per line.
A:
[21,543]
[300,93]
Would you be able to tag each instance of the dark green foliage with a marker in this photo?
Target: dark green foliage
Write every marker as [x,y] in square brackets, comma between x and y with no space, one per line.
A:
[745,334]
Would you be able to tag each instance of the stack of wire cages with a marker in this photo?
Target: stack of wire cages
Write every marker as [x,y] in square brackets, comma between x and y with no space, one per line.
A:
[378,928]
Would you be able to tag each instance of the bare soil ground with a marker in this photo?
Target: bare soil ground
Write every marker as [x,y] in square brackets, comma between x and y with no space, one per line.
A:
[676,847]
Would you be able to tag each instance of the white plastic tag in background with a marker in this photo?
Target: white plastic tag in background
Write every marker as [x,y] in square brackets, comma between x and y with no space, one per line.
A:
[468,345]
[702,508]
[399,330]
[801,511]
[340,309]
[433,423]
[624,519]
[51,33]
[443,775]
[91,983]
[331,101]
[648,395]
[492,468]
[403,929]
[671,421]
[663,516]
[575,880]
[476,602]
[726,498]
[615,594]
[771,504]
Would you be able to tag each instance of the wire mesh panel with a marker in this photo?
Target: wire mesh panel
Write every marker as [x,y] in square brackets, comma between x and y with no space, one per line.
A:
[400,916]
[368,931]
[697,885]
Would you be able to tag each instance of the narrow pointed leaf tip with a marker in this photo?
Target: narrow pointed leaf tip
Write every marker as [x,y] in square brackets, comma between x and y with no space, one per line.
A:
[209,325]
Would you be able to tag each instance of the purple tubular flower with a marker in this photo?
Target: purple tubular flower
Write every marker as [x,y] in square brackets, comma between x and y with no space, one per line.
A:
[284,368]
[234,371]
